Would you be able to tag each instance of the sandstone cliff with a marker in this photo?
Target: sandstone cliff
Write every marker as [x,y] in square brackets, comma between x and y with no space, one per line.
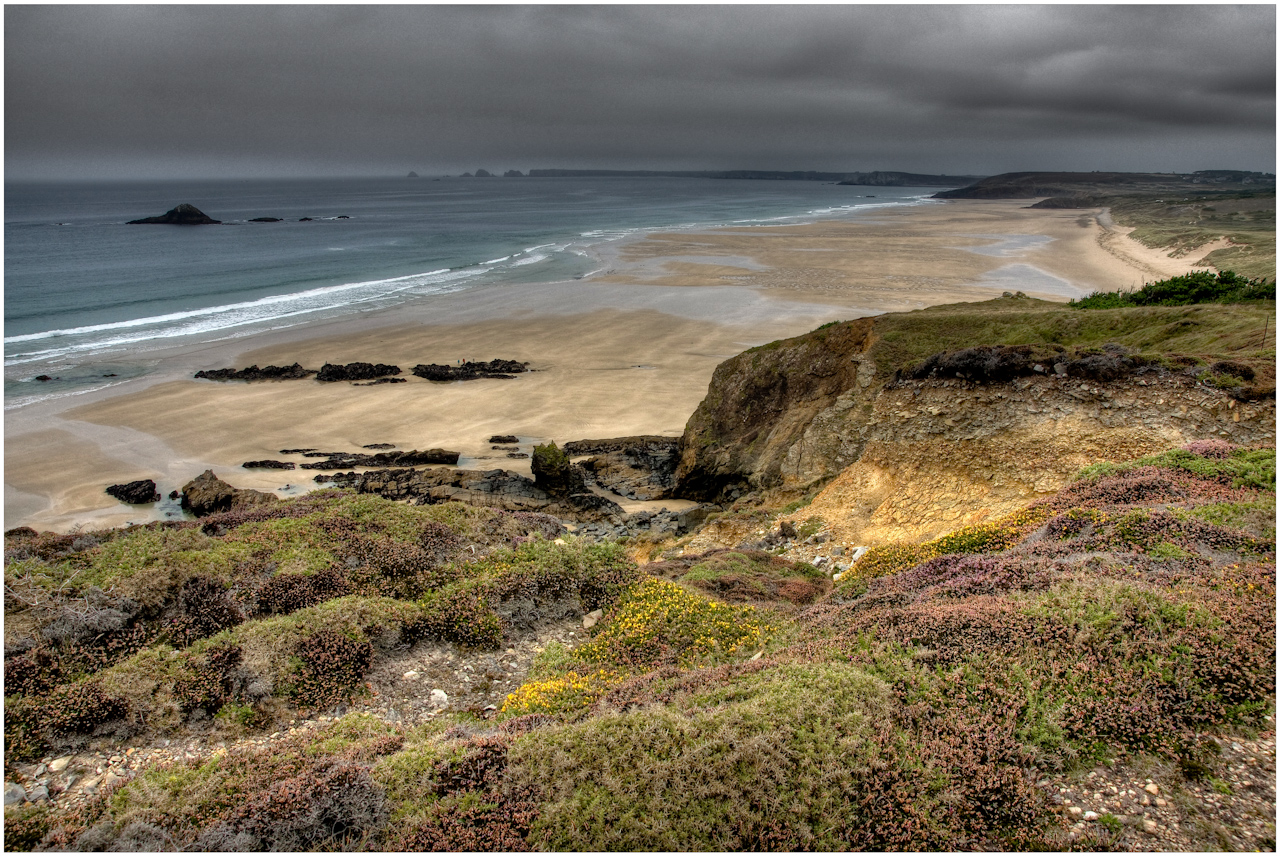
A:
[911,459]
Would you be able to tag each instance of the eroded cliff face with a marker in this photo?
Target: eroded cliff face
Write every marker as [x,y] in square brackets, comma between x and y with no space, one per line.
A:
[760,403]
[911,460]
[915,460]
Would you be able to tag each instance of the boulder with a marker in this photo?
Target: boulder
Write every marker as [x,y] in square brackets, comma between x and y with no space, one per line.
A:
[141,491]
[208,495]
[183,215]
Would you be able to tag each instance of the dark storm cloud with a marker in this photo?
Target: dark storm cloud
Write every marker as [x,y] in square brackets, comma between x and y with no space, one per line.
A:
[183,90]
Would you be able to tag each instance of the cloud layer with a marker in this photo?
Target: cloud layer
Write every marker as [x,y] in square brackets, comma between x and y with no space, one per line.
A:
[306,90]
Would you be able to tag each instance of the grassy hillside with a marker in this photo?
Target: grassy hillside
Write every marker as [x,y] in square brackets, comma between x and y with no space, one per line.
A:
[1248,220]
[935,697]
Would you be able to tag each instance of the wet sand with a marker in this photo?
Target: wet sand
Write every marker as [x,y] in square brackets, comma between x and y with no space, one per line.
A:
[629,351]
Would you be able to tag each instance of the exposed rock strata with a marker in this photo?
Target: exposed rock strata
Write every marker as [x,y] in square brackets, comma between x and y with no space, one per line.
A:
[914,459]
[640,468]
[498,489]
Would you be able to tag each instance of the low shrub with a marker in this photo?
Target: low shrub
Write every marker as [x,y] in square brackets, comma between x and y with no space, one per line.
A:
[565,694]
[333,664]
[660,622]
[331,806]
[286,593]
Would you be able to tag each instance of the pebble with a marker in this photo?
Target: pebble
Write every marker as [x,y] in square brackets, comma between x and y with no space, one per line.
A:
[411,675]
[1149,826]
[1075,811]
[60,765]
[1151,788]
[13,794]
[1090,816]
[38,794]
[439,698]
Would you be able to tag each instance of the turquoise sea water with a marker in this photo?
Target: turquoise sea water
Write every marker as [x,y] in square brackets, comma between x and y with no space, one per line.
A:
[87,296]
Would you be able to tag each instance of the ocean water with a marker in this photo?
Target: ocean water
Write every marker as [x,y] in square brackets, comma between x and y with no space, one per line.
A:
[88,297]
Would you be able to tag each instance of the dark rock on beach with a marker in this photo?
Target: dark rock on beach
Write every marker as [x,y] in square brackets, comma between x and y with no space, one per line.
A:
[379,446]
[640,468]
[183,215]
[141,491]
[269,464]
[504,438]
[301,451]
[498,489]
[470,371]
[253,373]
[355,371]
[407,458]
[382,381]
[553,473]
[207,495]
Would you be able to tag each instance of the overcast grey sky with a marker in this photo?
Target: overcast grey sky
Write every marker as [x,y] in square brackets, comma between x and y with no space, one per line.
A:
[176,90]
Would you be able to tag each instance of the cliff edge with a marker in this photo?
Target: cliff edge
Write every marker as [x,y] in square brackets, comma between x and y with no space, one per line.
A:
[909,425]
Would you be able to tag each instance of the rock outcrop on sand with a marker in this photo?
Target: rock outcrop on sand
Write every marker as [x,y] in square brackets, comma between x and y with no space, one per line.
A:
[141,491]
[469,371]
[182,215]
[405,458]
[253,373]
[355,371]
[553,472]
[497,489]
[639,468]
[268,464]
[208,495]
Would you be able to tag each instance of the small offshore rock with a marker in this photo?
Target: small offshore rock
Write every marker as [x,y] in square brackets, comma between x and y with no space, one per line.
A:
[180,215]
[504,438]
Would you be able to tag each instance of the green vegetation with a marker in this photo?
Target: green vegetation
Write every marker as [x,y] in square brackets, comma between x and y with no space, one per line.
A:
[1199,287]
[1185,222]
[914,708]
[1201,333]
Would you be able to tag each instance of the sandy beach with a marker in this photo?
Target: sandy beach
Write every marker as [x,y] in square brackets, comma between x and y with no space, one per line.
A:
[628,351]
